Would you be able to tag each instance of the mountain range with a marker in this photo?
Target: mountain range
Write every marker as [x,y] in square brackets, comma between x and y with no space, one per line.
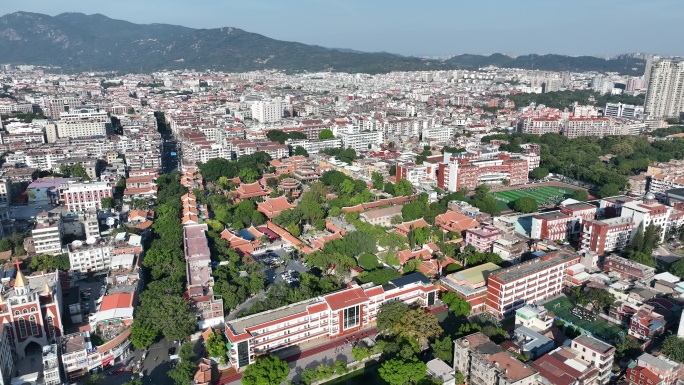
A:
[79,42]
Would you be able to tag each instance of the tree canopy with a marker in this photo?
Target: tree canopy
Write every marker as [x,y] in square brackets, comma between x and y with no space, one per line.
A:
[525,205]
[400,371]
[326,134]
[267,370]
[539,173]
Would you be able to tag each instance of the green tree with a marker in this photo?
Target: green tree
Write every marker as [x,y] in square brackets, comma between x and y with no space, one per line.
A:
[93,379]
[185,369]
[418,325]
[248,175]
[268,370]
[300,151]
[389,188]
[627,348]
[398,371]
[677,268]
[216,347]
[378,276]
[50,262]
[378,180]
[347,187]
[293,229]
[442,349]
[360,352]
[539,173]
[5,244]
[458,378]
[369,261]
[134,381]
[457,305]
[600,299]
[142,336]
[525,205]
[140,204]
[390,315]
[673,347]
[393,170]
[107,203]
[403,188]
[580,195]
[608,190]
[326,134]
[77,171]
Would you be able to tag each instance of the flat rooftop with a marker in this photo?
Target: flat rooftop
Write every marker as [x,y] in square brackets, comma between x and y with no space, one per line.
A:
[73,343]
[477,274]
[533,266]
[240,325]
[593,344]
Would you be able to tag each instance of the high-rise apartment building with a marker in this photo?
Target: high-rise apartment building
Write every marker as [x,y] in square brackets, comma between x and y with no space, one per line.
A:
[267,112]
[665,94]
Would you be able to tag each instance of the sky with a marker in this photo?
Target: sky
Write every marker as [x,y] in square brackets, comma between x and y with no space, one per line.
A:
[419,27]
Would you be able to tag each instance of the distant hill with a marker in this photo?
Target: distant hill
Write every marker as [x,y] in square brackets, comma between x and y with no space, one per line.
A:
[79,42]
[624,65]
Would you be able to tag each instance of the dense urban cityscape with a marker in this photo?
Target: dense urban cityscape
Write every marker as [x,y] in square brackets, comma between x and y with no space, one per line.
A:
[489,226]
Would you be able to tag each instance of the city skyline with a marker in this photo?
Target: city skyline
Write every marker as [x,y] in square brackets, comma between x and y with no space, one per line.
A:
[416,28]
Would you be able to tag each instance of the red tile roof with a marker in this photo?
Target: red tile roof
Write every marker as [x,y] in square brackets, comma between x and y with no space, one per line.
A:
[346,298]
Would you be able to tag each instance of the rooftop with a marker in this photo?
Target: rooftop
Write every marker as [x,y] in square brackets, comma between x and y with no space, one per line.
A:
[594,344]
[536,265]
[240,325]
[73,343]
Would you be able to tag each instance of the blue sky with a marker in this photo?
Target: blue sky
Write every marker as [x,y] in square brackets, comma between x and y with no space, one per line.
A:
[424,27]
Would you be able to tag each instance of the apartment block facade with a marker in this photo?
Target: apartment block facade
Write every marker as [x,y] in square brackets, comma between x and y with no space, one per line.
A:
[85,196]
[528,282]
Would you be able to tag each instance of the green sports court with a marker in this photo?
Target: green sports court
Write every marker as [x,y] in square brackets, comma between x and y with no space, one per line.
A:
[544,195]
[598,328]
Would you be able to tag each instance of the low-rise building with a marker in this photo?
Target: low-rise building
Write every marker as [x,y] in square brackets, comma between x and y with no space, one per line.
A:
[628,269]
[598,353]
[482,238]
[470,284]
[85,196]
[483,362]
[534,317]
[75,349]
[657,370]
[47,233]
[381,217]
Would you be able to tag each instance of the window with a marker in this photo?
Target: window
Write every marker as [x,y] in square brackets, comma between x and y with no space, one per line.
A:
[22,327]
[34,326]
[50,326]
[16,312]
[25,311]
[351,317]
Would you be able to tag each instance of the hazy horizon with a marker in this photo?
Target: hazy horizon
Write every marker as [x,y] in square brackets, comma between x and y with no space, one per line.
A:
[428,28]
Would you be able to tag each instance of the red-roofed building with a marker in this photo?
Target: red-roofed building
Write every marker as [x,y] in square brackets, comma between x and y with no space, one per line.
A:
[251,190]
[272,207]
[455,222]
[404,228]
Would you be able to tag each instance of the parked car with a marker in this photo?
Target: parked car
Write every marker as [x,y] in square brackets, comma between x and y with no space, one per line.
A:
[172,350]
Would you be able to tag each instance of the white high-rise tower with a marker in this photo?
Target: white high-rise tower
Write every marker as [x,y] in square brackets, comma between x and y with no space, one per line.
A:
[665,95]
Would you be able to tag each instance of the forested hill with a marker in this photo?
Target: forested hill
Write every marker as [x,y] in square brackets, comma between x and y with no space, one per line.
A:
[79,42]
[623,64]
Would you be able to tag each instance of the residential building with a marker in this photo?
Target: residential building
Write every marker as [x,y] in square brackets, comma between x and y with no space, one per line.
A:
[440,371]
[563,366]
[646,323]
[665,93]
[5,190]
[361,140]
[598,353]
[51,372]
[597,127]
[79,124]
[534,317]
[624,111]
[607,235]
[628,269]
[657,370]
[330,316]
[552,226]
[514,287]
[86,196]
[93,256]
[540,126]
[482,238]
[531,342]
[267,112]
[47,233]
[483,362]
[74,354]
